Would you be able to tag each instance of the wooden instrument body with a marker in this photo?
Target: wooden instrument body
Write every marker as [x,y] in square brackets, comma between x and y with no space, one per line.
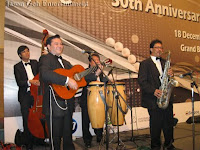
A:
[63,91]
[36,123]
[111,101]
[96,107]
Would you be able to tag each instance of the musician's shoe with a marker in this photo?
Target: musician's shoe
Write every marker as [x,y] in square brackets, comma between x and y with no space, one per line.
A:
[29,147]
[171,147]
[99,139]
[88,144]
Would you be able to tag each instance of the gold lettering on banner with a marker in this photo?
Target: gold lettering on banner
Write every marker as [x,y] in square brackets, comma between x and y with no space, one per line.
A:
[66,2]
[149,6]
[116,3]
[186,35]
[198,49]
[133,4]
[158,9]
[192,49]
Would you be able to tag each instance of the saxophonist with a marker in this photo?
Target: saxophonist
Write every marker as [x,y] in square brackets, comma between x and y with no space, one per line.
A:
[149,78]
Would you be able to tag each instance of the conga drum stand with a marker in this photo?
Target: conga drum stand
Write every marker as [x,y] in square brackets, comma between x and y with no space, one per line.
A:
[111,128]
[120,144]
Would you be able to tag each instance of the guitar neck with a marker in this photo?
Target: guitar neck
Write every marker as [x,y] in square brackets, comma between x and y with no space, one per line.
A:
[80,75]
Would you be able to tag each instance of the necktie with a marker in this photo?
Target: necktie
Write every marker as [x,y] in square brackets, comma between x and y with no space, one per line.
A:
[59,57]
[159,67]
[158,58]
[27,64]
[60,60]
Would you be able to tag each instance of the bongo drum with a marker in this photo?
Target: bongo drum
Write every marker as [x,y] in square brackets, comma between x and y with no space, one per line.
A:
[96,107]
[111,102]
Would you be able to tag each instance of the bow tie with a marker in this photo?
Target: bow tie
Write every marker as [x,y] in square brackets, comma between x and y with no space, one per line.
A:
[59,57]
[27,64]
[158,58]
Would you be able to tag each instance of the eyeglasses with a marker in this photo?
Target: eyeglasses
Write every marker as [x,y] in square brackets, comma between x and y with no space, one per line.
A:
[158,47]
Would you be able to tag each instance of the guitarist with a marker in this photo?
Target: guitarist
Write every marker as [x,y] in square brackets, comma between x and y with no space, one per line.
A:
[94,76]
[58,112]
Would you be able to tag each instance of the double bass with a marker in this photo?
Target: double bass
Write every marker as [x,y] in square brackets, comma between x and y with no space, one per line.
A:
[36,120]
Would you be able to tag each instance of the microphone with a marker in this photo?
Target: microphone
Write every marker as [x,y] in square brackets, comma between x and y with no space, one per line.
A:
[186,74]
[87,51]
[110,72]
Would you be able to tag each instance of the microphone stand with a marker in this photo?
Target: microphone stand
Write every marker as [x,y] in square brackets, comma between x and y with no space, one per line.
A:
[106,108]
[193,125]
[122,70]
[132,137]
[106,111]
[116,99]
[117,105]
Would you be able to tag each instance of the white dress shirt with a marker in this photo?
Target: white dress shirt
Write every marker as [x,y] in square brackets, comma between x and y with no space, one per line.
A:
[158,65]
[29,73]
[61,63]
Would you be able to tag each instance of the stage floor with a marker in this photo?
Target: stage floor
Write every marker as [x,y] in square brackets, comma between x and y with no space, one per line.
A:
[141,140]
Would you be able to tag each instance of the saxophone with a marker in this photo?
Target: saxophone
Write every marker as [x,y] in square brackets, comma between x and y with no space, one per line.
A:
[167,85]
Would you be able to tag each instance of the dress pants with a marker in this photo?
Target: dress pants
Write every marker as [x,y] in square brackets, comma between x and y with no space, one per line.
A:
[62,128]
[87,137]
[25,104]
[161,120]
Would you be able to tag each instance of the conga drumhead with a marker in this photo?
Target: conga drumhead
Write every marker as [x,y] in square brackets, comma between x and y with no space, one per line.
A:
[96,83]
[117,83]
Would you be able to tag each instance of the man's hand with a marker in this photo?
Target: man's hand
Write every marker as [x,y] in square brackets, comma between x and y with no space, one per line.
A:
[158,93]
[98,72]
[72,84]
[170,72]
[35,82]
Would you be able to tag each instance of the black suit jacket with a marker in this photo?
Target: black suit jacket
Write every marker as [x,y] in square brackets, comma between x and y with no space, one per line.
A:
[48,63]
[22,78]
[148,78]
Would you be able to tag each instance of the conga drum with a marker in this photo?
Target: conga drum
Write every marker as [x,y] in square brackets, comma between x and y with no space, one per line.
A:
[96,107]
[111,102]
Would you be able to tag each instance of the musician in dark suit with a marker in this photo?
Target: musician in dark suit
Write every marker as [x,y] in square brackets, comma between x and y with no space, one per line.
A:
[149,78]
[94,76]
[24,72]
[58,111]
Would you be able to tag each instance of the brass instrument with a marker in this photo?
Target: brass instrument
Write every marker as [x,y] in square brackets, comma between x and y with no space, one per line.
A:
[167,85]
